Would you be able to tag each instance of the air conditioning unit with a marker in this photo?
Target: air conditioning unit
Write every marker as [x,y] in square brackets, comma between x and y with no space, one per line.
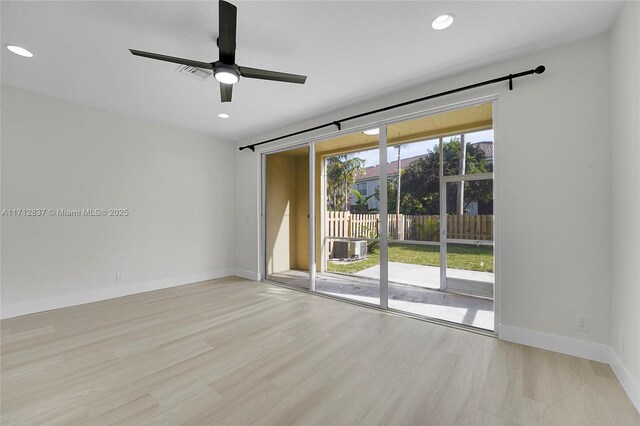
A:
[346,249]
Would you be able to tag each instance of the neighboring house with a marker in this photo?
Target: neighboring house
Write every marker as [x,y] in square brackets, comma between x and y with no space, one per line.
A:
[486,147]
[367,181]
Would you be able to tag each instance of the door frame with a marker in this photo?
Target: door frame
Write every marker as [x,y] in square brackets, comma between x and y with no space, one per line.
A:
[310,142]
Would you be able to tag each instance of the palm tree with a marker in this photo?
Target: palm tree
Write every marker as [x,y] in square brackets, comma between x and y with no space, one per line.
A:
[362,202]
[341,175]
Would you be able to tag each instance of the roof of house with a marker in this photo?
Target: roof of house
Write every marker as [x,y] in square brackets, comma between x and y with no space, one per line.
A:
[392,168]
[486,147]
[373,172]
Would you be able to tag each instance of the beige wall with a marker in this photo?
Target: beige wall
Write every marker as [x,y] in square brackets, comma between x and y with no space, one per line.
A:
[287,210]
[302,213]
[280,221]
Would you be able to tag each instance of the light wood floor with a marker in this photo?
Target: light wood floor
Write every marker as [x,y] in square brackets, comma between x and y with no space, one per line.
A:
[233,351]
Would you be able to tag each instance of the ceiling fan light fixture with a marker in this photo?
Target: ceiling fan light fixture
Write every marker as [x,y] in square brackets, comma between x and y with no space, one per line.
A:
[19,51]
[372,132]
[443,21]
[226,75]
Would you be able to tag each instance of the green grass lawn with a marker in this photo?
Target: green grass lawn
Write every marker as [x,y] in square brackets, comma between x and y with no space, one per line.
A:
[459,256]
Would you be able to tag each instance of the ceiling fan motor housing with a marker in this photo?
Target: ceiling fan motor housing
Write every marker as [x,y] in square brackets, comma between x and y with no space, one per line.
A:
[221,67]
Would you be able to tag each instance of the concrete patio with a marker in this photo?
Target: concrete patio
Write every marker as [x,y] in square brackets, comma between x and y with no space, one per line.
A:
[423,276]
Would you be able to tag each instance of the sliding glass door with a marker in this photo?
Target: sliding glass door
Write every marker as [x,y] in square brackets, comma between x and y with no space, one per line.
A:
[441,217]
[349,265]
[402,216]
[414,226]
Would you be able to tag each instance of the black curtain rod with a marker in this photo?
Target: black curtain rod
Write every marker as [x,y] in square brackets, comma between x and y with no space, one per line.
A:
[338,123]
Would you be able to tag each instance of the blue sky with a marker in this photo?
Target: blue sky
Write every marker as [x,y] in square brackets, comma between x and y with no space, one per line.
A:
[371,157]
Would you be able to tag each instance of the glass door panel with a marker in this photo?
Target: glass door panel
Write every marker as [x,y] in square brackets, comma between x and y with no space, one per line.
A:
[435,270]
[287,217]
[469,248]
[414,226]
[350,234]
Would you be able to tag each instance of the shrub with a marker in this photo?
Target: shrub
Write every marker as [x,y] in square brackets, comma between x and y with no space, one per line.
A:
[372,244]
[428,231]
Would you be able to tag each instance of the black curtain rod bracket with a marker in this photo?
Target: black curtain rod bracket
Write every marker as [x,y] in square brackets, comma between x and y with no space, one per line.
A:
[338,123]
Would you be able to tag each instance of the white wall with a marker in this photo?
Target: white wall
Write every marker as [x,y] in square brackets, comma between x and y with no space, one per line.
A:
[553,161]
[625,114]
[177,185]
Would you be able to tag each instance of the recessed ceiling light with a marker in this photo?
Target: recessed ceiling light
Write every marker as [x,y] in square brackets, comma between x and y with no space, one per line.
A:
[223,115]
[226,75]
[372,132]
[20,51]
[442,22]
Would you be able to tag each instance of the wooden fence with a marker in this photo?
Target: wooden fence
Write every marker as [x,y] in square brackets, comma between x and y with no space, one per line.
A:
[409,227]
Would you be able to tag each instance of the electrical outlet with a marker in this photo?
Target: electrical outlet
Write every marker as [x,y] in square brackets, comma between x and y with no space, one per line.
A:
[583,323]
[119,278]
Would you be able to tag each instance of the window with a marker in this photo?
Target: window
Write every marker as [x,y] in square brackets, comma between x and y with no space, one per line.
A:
[362,188]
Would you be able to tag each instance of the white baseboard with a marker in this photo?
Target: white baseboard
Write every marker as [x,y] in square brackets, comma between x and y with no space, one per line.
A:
[629,384]
[47,304]
[551,342]
[250,275]
[580,348]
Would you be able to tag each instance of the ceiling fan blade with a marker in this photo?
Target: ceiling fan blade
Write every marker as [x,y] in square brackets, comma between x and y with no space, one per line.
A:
[225,92]
[272,75]
[173,59]
[227,20]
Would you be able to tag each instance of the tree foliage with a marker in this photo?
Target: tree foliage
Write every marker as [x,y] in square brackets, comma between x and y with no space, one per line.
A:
[341,175]
[421,181]
[362,203]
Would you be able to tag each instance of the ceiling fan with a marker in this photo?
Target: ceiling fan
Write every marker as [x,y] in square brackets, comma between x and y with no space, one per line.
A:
[225,69]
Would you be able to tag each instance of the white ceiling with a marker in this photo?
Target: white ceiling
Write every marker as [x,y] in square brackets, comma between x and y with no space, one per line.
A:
[349,50]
